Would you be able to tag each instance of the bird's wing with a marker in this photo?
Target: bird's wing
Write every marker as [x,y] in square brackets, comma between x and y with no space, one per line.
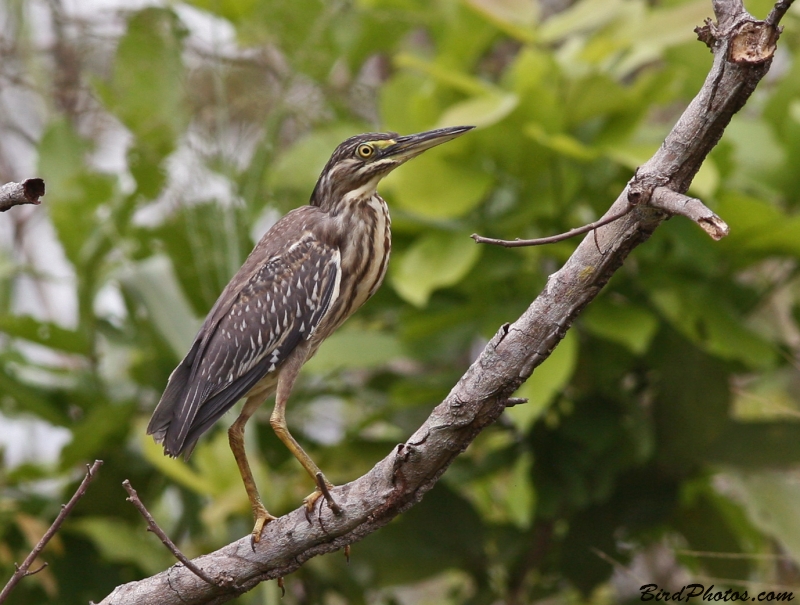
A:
[246,338]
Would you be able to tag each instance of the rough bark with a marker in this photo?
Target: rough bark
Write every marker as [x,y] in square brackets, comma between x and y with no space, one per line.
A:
[743,48]
[16,194]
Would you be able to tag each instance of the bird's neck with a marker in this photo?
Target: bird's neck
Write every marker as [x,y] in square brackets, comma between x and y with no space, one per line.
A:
[337,199]
[366,242]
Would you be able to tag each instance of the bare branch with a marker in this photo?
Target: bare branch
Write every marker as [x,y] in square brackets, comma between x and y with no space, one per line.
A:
[402,478]
[727,11]
[152,526]
[661,197]
[26,192]
[692,208]
[778,11]
[66,509]
[552,239]
[34,571]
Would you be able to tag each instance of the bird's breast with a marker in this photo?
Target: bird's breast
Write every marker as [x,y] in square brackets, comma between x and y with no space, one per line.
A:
[365,248]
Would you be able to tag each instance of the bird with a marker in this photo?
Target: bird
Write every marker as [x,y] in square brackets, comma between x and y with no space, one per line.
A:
[309,272]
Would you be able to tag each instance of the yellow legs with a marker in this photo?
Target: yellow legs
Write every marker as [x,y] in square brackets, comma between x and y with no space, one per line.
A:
[288,374]
[286,380]
[236,439]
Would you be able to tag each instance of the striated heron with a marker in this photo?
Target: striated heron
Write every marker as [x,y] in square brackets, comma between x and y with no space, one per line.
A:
[309,273]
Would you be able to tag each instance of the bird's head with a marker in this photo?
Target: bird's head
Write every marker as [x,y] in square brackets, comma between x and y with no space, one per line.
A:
[358,164]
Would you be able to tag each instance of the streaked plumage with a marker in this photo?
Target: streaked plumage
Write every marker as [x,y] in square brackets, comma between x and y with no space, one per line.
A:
[306,276]
[258,320]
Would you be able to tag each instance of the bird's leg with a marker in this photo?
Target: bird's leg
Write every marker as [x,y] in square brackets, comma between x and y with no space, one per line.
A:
[236,439]
[288,374]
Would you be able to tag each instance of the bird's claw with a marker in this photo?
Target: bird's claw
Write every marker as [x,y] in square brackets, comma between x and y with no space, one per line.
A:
[323,489]
[310,500]
[262,518]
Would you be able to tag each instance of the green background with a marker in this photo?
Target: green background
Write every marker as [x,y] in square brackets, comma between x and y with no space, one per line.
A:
[661,433]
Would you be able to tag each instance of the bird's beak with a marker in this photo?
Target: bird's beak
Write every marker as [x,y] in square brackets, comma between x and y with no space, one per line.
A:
[409,146]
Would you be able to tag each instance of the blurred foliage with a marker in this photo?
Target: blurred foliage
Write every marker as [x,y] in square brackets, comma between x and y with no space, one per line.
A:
[660,436]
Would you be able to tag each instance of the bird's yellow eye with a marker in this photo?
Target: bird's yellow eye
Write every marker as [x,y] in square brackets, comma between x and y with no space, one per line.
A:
[365,151]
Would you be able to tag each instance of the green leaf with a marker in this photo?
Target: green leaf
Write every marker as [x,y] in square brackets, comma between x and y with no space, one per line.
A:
[106,423]
[713,524]
[687,375]
[299,168]
[626,324]
[671,25]
[704,184]
[656,30]
[207,244]
[505,496]
[146,91]
[232,10]
[516,18]
[759,444]
[408,103]
[73,194]
[441,532]
[545,383]
[45,333]
[61,156]
[481,111]
[587,15]
[597,96]
[770,499]
[521,496]
[446,76]
[153,282]
[433,187]
[744,213]
[758,227]
[174,468]
[124,543]
[436,260]
[708,322]
[561,143]
[757,151]
[18,397]
[355,348]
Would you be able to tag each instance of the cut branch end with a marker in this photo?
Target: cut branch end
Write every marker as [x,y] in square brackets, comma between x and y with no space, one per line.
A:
[679,204]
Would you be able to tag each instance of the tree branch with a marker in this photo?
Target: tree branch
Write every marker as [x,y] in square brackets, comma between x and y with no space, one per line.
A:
[24,569]
[692,208]
[152,526]
[401,479]
[26,192]
[552,239]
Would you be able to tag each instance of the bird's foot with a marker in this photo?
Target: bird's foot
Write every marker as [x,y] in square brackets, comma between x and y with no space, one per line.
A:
[323,489]
[262,518]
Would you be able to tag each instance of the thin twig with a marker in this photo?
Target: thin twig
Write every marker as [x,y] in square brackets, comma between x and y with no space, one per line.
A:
[751,584]
[26,192]
[690,207]
[778,11]
[617,565]
[33,572]
[734,555]
[66,509]
[539,241]
[153,527]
